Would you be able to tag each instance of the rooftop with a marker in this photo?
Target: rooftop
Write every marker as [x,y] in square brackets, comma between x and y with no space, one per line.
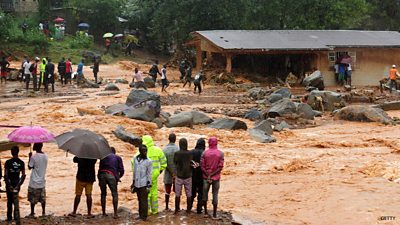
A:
[299,39]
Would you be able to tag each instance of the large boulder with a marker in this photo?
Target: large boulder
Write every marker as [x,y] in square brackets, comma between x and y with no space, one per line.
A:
[328,99]
[305,111]
[229,124]
[183,119]
[188,119]
[281,108]
[284,92]
[315,80]
[394,105]
[116,109]
[260,136]
[111,87]
[146,112]
[265,126]
[364,114]
[200,118]
[253,115]
[272,98]
[138,97]
[149,82]
[122,134]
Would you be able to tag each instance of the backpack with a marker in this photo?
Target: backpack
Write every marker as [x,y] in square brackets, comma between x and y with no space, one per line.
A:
[32,67]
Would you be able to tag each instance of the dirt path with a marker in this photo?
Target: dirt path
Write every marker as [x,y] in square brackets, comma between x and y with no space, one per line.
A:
[337,173]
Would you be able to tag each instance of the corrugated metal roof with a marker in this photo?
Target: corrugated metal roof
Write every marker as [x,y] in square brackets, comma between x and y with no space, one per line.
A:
[299,39]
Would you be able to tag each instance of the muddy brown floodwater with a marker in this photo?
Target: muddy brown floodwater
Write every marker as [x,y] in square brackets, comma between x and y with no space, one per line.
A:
[336,173]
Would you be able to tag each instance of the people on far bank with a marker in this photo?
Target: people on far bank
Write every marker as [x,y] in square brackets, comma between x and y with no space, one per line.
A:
[4,64]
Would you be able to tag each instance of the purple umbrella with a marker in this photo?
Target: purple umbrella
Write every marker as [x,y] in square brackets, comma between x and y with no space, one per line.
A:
[346,60]
[30,134]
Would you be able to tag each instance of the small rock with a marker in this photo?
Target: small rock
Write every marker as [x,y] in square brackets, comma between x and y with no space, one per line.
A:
[281,126]
[264,126]
[111,87]
[122,134]
[253,115]
[121,81]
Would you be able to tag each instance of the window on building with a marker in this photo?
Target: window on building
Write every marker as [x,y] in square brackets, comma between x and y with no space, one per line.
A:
[335,55]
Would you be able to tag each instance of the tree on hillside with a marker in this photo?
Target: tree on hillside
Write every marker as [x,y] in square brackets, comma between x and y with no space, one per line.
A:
[100,14]
[385,15]
[169,22]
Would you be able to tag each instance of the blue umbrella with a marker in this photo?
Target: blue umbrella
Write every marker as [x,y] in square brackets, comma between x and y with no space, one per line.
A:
[83,25]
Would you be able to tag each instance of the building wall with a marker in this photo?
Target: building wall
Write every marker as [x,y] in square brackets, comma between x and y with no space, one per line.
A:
[26,6]
[371,65]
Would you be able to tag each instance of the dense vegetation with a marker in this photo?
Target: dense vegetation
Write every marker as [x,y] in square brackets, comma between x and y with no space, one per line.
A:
[167,23]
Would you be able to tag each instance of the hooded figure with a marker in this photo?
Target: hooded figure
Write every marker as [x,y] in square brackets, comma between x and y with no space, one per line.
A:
[197,175]
[211,163]
[156,155]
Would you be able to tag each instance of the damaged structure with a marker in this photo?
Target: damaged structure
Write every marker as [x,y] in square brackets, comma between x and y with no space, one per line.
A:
[280,52]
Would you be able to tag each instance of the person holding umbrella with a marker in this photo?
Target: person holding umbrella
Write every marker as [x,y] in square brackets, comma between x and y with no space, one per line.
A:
[111,170]
[37,183]
[85,177]
[14,176]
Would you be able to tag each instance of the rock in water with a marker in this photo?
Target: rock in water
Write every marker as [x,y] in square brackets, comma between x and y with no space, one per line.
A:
[281,126]
[229,124]
[111,87]
[260,136]
[364,114]
[257,93]
[122,134]
[325,100]
[138,97]
[149,82]
[265,126]
[281,108]
[395,105]
[121,81]
[200,118]
[305,111]
[253,115]
[183,119]
[146,112]
[116,109]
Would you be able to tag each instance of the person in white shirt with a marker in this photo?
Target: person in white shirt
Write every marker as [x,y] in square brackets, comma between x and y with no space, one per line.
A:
[37,183]
[164,80]
[138,79]
[27,72]
[142,171]
[348,74]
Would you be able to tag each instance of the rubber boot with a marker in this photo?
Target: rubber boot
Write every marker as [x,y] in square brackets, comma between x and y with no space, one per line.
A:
[177,205]
[166,202]
[189,204]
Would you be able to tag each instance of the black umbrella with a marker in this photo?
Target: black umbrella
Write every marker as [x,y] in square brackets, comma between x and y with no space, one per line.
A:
[83,26]
[84,144]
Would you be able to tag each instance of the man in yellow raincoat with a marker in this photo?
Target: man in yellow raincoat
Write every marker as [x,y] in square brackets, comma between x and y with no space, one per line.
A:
[156,155]
[42,72]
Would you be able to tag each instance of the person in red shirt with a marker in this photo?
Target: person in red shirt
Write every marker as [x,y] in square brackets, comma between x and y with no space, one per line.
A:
[68,71]
[34,73]
[211,163]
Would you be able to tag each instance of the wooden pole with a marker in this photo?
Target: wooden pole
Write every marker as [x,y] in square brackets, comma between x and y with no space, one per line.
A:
[199,58]
[228,63]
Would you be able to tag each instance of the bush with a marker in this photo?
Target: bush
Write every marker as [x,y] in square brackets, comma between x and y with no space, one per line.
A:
[80,41]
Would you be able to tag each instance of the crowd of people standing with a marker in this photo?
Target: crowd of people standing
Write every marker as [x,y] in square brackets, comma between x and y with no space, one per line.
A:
[194,171]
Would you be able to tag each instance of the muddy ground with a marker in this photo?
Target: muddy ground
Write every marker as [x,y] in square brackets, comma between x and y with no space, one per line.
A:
[338,172]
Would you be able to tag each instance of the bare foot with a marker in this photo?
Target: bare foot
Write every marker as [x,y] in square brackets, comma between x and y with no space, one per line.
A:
[72,214]
[90,216]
